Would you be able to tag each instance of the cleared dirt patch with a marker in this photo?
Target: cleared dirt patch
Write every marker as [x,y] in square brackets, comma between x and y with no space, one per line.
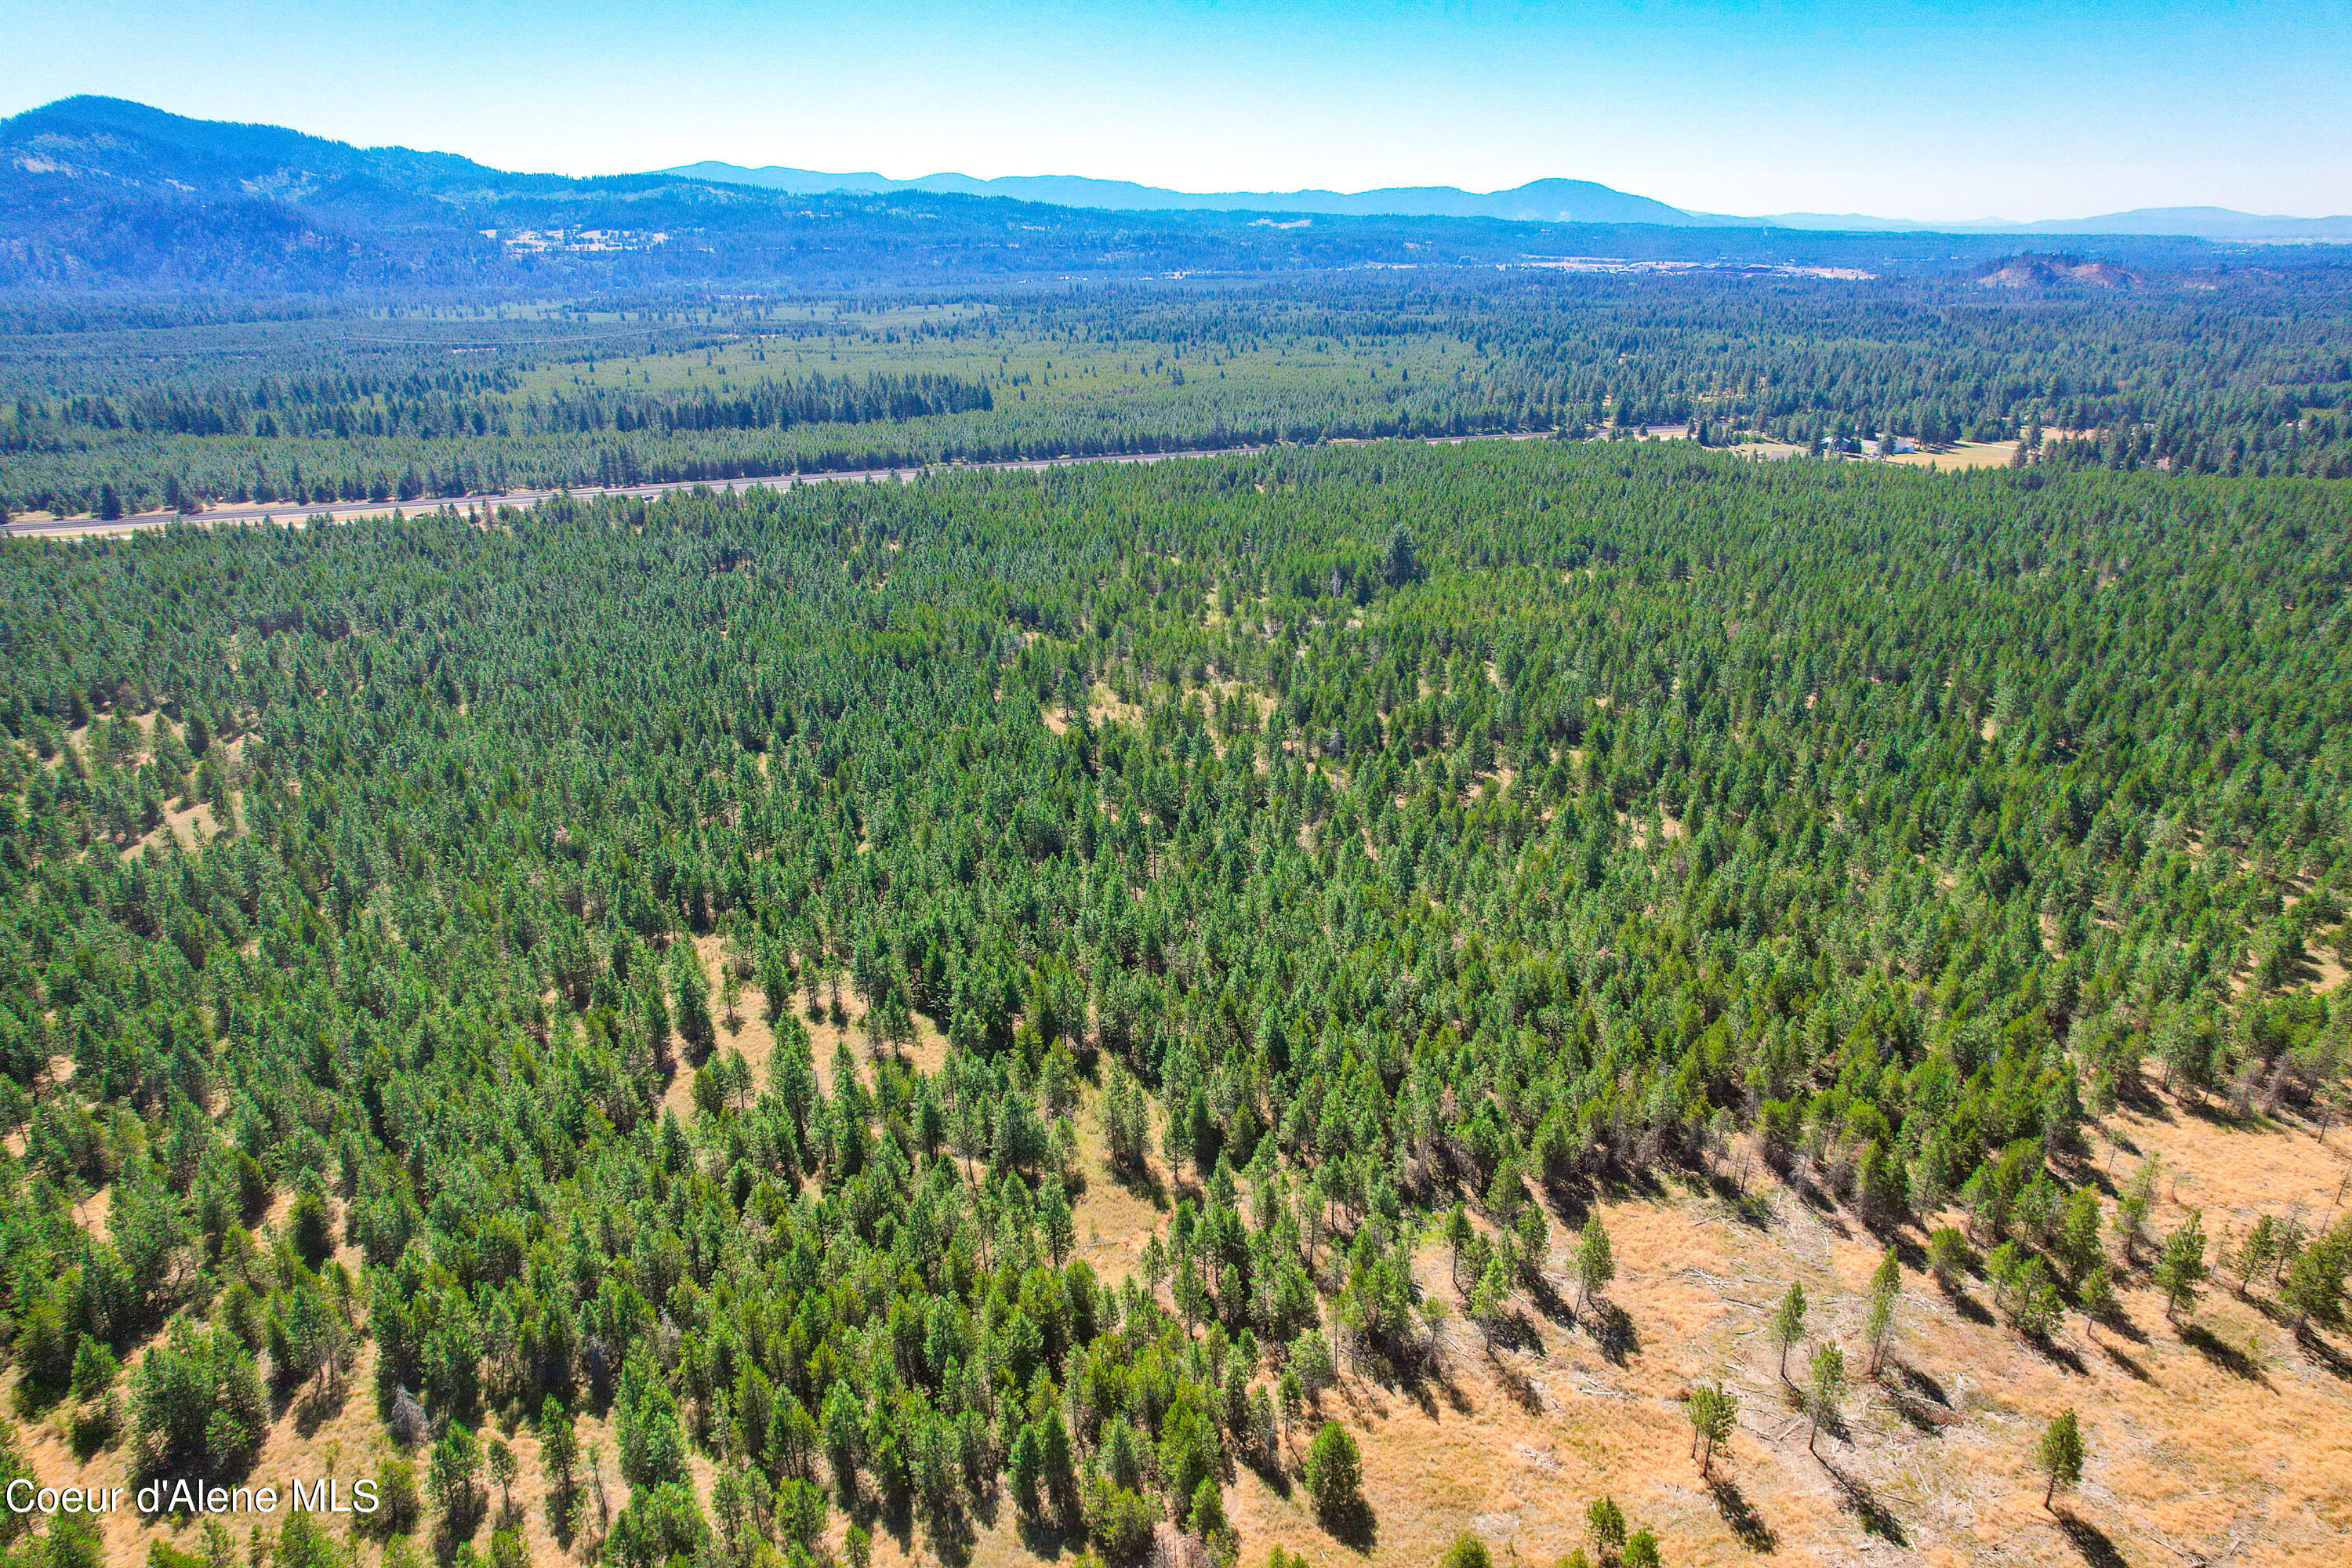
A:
[1959,455]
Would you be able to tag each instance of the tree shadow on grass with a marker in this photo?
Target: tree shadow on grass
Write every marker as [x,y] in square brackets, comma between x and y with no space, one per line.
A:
[1547,1300]
[1969,1307]
[1620,1185]
[2216,1113]
[318,1400]
[1611,1327]
[2091,1541]
[1743,1204]
[1426,1386]
[1040,1538]
[1143,1183]
[1856,1498]
[1922,1384]
[1740,1515]
[2119,1322]
[1517,1331]
[2138,1094]
[93,1426]
[987,1506]
[2224,1354]
[1352,1524]
[1918,1398]
[1517,1384]
[459,1521]
[2323,1353]
[948,1525]
[892,1513]
[566,1515]
[2050,1349]
[1572,1202]
[2126,1363]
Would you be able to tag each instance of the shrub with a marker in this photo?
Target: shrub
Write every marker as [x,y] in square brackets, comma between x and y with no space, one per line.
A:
[162,1553]
[1467,1551]
[1120,1522]
[398,1504]
[94,1367]
[1949,1257]
[1188,1452]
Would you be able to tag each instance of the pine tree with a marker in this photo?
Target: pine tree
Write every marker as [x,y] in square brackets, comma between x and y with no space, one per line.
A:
[1827,1389]
[691,990]
[1596,1264]
[1878,1321]
[2180,1268]
[1334,1472]
[1789,1324]
[1712,1414]
[1400,562]
[1604,1526]
[1054,1221]
[2059,1455]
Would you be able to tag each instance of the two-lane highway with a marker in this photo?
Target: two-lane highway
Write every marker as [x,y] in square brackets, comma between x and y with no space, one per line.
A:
[348,512]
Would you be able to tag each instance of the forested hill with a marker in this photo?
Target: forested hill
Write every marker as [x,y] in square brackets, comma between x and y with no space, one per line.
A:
[1419,827]
[100,194]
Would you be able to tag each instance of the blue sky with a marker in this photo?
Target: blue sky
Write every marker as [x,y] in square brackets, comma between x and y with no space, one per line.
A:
[1949,108]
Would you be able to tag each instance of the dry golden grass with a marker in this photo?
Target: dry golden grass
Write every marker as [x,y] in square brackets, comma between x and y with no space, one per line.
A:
[749,1031]
[2218,1439]
[1959,455]
[192,827]
[1105,706]
[2327,971]
[1115,1218]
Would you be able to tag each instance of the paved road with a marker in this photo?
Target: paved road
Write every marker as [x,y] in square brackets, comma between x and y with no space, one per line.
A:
[348,511]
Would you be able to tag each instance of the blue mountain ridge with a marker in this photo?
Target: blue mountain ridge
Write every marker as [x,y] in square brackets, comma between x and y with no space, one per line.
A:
[1539,200]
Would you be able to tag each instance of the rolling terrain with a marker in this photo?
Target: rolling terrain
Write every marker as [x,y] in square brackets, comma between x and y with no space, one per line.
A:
[1022,1014]
[1537,201]
[98,195]
[998,873]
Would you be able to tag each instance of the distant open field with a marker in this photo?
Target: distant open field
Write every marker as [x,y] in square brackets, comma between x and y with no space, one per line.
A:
[1960,455]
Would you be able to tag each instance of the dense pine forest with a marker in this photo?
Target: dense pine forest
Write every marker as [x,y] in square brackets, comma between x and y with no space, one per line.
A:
[113,408]
[656,984]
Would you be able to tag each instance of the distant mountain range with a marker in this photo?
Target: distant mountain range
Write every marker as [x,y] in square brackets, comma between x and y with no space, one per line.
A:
[1540,201]
[2191,223]
[97,195]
